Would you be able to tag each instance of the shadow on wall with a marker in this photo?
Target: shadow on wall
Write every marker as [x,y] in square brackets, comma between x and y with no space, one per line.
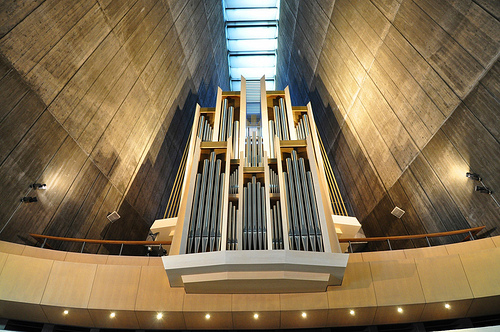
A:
[150,189]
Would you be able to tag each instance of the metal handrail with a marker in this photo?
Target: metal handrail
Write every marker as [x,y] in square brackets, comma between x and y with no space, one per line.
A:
[39,238]
[471,231]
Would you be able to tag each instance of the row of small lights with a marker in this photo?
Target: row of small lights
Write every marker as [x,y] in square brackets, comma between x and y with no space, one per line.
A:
[256,316]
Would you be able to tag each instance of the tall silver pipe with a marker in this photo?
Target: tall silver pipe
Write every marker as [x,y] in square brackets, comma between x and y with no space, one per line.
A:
[291,235]
[293,204]
[229,130]
[245,218]
[215,207]
[229,240]
[314,207]
[280,226]
[192,227]
[307,204]
[208,204]
[254,213]
[219,219]
[264,219]
[306,124]
[235,223]
[199,218]
[284,119]
[277,122]
[223,120]
[259,218]
[300,202]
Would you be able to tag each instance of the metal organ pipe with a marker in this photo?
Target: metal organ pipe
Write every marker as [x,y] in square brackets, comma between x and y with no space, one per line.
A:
[216,206]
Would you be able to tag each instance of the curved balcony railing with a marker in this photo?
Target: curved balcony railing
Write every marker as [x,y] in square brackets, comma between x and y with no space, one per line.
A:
[471,233]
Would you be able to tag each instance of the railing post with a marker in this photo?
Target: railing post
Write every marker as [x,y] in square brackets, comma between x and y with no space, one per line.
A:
[83,246]
[389,243]
[121,249]
[471,236]
[43,244]
[428,242]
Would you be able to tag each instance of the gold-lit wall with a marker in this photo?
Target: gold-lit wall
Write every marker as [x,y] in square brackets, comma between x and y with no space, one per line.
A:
[97,99]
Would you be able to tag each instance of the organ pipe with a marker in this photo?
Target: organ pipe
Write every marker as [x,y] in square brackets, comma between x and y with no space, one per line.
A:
[246,209]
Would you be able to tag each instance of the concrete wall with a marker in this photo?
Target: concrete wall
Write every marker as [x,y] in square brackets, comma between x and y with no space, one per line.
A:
[406,97]
[96,101]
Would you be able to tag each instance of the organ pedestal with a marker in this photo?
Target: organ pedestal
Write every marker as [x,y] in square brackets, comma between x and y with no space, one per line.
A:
[255,213]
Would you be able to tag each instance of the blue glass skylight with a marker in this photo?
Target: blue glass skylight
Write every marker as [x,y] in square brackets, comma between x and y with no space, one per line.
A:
[252,40]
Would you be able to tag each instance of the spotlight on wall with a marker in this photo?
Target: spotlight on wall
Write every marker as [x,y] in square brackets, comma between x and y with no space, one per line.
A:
[473,176]
[41,186]
[29,199]
[483,190]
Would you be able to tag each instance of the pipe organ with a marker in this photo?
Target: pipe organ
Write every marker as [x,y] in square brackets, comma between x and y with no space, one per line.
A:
[255,214]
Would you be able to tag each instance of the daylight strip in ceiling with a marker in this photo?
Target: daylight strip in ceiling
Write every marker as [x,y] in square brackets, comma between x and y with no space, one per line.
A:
[252,40]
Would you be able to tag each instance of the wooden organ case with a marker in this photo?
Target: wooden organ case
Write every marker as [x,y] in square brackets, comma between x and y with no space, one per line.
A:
[255,215]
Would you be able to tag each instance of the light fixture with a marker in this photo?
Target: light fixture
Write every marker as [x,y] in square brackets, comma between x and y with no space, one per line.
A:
[65,312]
[255,316]
[29,199]
[207,316]
[304,315]
[473,176]
[400,310]
[159,315]
[483,190]
[352,312]
[447,306]
[41,186]
[112,315]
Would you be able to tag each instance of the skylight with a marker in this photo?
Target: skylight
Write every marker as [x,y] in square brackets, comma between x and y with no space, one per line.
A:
[252,40]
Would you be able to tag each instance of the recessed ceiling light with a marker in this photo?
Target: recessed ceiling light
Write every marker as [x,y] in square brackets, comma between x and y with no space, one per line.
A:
[304,315]
[112,315]
[255,316]
[159,315]
[447,306]
[65,312]
[207,316]
[352,312]
[400,310]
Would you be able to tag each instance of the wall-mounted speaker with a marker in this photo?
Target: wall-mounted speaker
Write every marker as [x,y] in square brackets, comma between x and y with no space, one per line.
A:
[397,212]
[113,216]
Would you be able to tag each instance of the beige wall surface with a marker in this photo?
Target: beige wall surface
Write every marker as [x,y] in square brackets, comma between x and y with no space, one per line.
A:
[466,277]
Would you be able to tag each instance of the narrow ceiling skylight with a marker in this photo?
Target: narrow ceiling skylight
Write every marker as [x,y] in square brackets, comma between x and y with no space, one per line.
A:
[252,40]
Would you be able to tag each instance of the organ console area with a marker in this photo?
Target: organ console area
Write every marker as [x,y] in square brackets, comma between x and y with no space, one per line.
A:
[255,212]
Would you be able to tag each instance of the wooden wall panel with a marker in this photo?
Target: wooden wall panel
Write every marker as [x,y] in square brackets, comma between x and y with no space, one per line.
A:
[114,76]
